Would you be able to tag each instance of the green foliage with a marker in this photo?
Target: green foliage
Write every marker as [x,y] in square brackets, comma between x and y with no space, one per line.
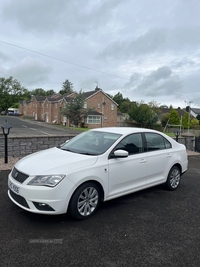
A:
[75,110]
[11,92]
[194,121]
[67,88]
[38,92]
[143,114]
[198,117]
[174,117]
[164,119]
[124,104]
[186,120]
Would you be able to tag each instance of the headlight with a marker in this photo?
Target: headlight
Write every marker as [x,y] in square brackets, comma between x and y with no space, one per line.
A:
[47,180]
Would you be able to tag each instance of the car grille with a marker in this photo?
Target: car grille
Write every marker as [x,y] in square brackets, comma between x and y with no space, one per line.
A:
[19,199]
[19,176]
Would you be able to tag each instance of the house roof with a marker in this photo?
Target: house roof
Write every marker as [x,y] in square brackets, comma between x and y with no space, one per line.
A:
[181,112]
[196,110]
[96,91]
[94,112]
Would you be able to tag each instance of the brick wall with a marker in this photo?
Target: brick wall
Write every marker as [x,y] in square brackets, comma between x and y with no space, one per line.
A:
[103,105]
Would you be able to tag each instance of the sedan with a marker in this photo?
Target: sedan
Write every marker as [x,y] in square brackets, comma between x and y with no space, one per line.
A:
[95,166]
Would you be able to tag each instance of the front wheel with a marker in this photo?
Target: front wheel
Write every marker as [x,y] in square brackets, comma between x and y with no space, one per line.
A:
[173,179]
[85,201]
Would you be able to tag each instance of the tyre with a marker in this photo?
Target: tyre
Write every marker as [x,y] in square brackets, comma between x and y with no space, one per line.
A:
[85,201]
[174,178]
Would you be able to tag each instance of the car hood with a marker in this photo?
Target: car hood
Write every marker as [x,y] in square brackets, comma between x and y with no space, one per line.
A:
[53,161]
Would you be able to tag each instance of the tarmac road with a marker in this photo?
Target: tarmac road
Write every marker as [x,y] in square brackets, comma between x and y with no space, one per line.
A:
[22,127]
[154,227]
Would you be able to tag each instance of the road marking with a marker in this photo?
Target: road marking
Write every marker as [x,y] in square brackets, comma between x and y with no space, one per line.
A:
[24,126]
[33,129]
[45,133]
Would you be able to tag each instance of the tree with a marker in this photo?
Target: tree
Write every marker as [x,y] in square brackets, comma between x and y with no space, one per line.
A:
[124,104]
[164,119]
[38,92]
[75,110]
[194,121]
[118,98]
[50,92]
[143,114]
[174,117]
[186,121]
[198,117]
[11,92]
[67,88]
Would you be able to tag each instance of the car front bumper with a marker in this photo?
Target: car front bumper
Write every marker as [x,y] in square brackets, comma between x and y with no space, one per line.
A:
[41,199]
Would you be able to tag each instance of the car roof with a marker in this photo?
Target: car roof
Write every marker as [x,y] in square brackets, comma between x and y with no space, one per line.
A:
[124,130]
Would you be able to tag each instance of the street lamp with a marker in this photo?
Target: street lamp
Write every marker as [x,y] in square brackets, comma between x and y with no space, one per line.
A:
[6,130]
[177,133]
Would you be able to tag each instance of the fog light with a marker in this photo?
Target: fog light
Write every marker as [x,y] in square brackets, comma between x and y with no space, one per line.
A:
[43,206]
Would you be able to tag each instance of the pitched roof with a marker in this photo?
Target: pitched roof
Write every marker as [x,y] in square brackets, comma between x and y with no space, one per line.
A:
[181,112]
[96,91]
[196,110]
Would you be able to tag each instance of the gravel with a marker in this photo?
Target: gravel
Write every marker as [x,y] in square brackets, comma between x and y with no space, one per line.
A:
[9,165]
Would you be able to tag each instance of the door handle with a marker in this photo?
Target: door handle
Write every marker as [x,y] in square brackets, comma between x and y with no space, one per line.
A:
[143,161]
[168,155]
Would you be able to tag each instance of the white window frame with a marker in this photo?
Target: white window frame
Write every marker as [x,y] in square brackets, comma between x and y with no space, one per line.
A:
[93,119]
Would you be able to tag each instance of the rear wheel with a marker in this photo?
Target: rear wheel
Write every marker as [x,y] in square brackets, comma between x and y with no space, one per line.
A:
[174,178]
[85,201]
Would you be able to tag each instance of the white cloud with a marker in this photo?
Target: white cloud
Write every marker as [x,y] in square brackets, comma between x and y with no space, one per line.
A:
[147,50]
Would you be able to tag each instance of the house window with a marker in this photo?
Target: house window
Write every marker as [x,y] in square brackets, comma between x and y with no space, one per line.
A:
[99,105]
[47,105]
[55,105]
[85,105]
[65,105]
[112,106]
[93,119]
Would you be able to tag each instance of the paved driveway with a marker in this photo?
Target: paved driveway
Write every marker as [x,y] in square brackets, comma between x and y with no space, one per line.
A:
[151,228]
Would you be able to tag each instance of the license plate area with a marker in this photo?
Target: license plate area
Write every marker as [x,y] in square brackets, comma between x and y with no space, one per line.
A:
[13,187]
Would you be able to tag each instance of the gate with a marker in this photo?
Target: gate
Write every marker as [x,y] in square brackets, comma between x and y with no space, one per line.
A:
[197,144]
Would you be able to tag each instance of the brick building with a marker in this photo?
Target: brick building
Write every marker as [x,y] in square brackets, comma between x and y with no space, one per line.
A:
[48,109]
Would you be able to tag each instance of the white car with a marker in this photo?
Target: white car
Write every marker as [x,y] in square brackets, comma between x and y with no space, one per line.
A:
[97,165]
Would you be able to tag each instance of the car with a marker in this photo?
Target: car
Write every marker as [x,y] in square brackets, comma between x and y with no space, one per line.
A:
[3,112]
[94,166]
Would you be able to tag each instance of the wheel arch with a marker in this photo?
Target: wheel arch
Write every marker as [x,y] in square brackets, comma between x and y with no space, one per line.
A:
[177,165]
[91,181]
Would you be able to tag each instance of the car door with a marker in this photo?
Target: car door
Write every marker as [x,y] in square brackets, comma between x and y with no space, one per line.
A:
[159,158]
[127,174]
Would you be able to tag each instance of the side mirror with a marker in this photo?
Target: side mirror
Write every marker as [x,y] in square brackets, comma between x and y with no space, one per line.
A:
[120,153]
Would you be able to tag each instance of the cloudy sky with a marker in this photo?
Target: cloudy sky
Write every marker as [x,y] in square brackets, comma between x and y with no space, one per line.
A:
[149,50]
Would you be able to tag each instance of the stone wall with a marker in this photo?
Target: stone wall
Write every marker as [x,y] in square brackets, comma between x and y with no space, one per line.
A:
[22,146]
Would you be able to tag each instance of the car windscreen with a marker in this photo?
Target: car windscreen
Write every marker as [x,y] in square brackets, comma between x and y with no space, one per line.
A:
[91,142]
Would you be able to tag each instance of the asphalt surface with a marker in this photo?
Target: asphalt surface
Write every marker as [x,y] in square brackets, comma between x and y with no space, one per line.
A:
[22,127]
[154,227]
